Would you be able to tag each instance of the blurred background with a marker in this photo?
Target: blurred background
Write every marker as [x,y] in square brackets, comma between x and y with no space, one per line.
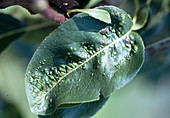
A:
[147,96]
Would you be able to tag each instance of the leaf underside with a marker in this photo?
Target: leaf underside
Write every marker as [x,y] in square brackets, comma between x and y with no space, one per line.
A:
[99,14]
[83,59]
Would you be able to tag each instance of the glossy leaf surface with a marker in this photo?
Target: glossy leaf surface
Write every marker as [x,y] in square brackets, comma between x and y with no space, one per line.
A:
[83,59]
[8,26]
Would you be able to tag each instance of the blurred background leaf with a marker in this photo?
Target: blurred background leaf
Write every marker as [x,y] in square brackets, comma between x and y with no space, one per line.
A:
[12,69]
[8,30]
[37,27]
[8,110]
[141,15]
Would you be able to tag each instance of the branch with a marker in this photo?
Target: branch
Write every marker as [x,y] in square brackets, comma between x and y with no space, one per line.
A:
[44,7]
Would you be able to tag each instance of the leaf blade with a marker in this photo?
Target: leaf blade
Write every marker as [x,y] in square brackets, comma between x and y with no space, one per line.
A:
[83,62]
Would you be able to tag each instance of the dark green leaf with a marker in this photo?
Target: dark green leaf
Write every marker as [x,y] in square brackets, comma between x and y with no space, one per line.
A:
[7,26]
[83,110]
[83,59]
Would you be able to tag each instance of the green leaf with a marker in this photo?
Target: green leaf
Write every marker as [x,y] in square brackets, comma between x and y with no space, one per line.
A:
[8,25]
[84,110]
[99,14]
[83,59]
[141,16]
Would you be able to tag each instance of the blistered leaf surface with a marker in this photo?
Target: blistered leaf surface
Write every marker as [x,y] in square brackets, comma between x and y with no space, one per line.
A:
[82,59]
